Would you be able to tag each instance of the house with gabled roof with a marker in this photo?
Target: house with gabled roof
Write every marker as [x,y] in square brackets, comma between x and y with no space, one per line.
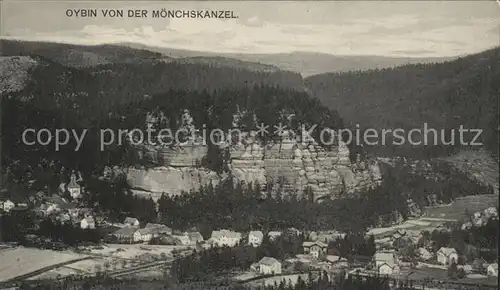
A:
[225,238]
[125,235]
[492,270]
[55,203]
[315,249]
[7,205]
[273,235]
[132,222]
[424,254]
[195,237]
[255,238]
[87,223]
[144,235]
[385,263]
[447,256]
[158,229]
[74,189]
[267,266]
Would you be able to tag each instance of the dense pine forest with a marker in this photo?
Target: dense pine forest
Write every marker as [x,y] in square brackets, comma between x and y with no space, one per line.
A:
[445,96]
[243,208]
[320,282]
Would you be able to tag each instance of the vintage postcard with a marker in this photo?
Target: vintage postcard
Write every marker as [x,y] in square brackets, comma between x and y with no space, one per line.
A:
[249,145]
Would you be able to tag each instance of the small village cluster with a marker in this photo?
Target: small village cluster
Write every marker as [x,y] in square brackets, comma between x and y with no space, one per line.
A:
[316,251]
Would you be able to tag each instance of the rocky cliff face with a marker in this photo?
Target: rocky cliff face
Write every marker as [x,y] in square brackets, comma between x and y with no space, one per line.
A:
[329,173]
[14,72]
[297,165]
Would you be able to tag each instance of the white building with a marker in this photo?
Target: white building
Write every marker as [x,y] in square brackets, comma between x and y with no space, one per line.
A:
[183,239]
[381,258]
[143,235]
[492,270]
[8,205]
[491,212]
[74,189]
[132,222]
[195,237]
[447,256]
[158,229]
[385,269]
[273,235]
[268,266]
[225,238]
[87,223]
[255,238]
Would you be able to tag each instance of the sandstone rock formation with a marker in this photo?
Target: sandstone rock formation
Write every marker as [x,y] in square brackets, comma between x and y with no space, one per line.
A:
[297,165]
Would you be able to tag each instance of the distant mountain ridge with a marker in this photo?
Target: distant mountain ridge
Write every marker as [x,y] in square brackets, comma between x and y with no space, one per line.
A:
[305,63]
[94,55]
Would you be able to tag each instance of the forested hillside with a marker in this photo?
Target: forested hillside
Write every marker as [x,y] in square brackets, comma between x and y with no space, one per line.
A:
[445,96]
[77,55]
[204,70]
[118,96]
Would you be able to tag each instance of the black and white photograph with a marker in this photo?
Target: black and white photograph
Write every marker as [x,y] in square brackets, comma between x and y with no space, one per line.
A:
[249,145]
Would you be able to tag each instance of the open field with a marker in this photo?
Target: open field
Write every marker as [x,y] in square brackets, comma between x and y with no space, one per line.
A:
[457,209]
[134,251]
[33,264]
[114,257]
[21,261]
[415,226]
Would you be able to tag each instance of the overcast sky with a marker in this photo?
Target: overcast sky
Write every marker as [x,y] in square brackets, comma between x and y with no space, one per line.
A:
[395,28]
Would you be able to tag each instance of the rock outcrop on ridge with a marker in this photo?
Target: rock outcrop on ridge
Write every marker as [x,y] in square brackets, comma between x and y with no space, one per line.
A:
[297,165]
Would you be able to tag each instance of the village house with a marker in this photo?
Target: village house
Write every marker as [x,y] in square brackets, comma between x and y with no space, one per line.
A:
[492,270]
[55,203]
[384,257]
[143,235]
[225,238]
[447,256]
[267,266]
[385,263]
[255,238]
[315,249]
[64,218]
[328,236]
[125,235]
[293,231]
[388,269]
[195,237]
[22,205]
[490,212]
[87,223]
[398,234]
[424,254]
[8,205]
[273,235]
[131,222]
[74,189]
[158,229]
[183,239]
[337,261]
[479,264]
